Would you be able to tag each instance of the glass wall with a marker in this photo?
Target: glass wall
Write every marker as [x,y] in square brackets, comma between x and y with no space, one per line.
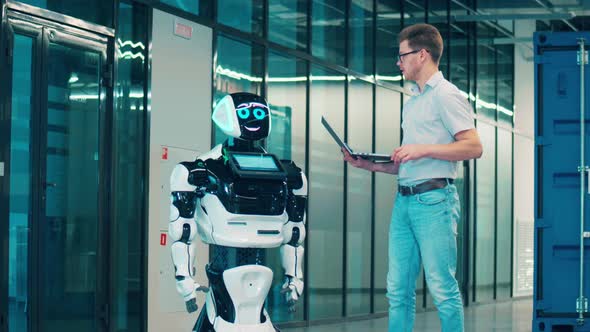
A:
[504,215]
[326,191]
[414,12]
[486,72]
[328,30]
[196,7]
[239,68]
[389,23]
[20,184]
[67,154]
[485,182]
[287,95]
[359,202]
[129,171]
[187,6]
[505,80]
[387,138]
[243,15]
[360,27]
[437,16]
[287,23]
[459,51]
[460,56]
[94,11]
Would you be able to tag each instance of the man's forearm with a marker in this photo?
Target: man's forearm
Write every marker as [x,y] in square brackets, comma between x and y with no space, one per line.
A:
[391,168]
[456,151]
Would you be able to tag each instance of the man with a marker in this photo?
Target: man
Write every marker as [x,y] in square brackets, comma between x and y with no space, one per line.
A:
[438,132]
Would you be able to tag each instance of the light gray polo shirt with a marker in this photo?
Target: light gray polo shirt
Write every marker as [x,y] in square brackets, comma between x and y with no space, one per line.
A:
[433,116]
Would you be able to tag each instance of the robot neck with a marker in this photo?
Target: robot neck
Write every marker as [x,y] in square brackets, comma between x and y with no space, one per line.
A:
[240,145]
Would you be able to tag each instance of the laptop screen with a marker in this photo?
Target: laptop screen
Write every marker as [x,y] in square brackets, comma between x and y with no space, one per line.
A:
[335,136]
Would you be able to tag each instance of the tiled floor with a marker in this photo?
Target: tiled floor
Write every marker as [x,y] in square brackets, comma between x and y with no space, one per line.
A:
[512,316]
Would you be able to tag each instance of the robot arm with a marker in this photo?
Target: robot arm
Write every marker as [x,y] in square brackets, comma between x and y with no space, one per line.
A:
[294,236]
[187,184]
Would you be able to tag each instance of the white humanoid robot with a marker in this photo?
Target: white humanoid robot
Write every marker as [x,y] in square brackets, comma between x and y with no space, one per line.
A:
[240,200]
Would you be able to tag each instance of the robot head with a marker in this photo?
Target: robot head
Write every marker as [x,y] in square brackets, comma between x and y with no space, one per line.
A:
[243,115]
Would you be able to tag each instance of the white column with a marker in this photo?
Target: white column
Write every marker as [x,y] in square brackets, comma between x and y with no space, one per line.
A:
[524,120]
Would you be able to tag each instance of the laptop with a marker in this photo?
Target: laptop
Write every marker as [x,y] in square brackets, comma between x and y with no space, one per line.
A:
[369,156]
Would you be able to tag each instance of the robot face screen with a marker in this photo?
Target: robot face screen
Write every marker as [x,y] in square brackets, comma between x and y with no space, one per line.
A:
[254,120]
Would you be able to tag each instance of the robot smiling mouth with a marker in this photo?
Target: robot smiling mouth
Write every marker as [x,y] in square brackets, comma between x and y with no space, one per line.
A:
[252,129]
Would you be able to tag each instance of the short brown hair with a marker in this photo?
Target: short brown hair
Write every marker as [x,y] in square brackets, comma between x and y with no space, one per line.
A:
[423,36]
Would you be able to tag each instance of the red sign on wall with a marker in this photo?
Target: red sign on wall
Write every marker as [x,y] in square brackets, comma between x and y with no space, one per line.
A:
[183,30]
[163,239]
[164,153]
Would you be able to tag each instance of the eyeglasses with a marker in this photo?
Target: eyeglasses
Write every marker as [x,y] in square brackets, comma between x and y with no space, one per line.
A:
[400,57]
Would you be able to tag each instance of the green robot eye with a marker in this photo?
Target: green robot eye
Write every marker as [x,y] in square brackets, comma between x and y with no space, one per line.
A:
[243,113]
[259,113]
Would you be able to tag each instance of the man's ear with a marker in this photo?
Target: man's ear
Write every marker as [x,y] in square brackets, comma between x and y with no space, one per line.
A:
[422,54]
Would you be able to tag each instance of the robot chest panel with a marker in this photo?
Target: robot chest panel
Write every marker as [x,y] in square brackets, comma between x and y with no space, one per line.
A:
[256,197]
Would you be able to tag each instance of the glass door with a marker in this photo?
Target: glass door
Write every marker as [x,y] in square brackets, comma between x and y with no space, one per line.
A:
[56,223]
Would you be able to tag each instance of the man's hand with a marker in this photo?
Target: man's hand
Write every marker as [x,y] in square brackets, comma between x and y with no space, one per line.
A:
[409,152]
[293,289]
[358,162]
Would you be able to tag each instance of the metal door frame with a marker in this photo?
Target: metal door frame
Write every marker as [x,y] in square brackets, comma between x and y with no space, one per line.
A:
[45,27]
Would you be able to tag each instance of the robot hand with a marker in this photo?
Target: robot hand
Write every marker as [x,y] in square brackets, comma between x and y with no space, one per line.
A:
[190,299]
[191,305]
[293,289]
[200,178]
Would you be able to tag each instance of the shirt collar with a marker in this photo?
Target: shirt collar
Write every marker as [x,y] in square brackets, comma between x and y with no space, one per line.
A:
[432,82]
[435,79]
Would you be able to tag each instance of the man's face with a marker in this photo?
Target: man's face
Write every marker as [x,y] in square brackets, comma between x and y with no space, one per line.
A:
[409,62]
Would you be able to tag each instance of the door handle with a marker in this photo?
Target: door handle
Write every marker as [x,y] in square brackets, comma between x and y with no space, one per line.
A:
[49,184]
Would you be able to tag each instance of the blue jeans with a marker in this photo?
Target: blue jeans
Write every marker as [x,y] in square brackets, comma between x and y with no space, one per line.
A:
[424,230]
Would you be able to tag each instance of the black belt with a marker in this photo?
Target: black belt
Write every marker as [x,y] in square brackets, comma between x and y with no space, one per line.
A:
[424,186]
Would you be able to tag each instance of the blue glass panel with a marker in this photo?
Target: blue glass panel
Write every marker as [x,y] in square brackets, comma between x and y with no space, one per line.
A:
[328,29]
[387,138]
[239,69]
[287,23]
[485,214]
[359,201]
[190,6]
[286,97]
[504,215]
[361,36]
[95,11]
[20,185]
[388,27]
[129,176]
[242,15]
[326,192]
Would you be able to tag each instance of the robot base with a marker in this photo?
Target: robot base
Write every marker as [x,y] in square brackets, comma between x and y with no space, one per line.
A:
[235,301]
[204,325]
